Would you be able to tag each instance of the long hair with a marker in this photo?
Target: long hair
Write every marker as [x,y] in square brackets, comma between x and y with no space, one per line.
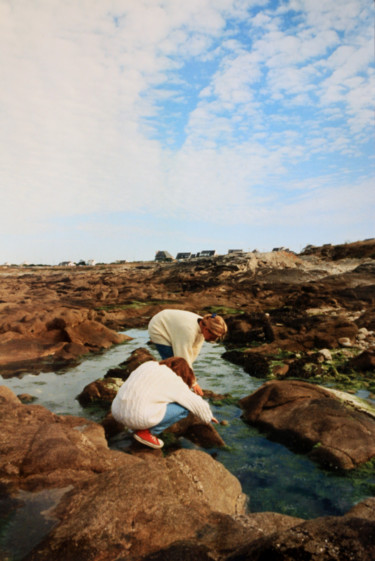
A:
[181,368]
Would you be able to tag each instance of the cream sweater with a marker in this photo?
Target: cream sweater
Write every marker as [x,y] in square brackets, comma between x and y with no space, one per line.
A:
[177,329]
[142,400]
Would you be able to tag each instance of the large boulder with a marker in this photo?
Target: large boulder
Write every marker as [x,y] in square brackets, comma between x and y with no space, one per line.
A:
[346,538]
[36,337]
[244,329]
[39,449]
[310,419]
[132,511]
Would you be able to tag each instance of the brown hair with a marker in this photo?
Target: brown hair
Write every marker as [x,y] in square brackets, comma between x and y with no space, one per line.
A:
[181,368]
[215,324]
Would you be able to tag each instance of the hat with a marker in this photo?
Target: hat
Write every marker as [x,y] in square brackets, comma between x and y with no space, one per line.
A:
[215,324]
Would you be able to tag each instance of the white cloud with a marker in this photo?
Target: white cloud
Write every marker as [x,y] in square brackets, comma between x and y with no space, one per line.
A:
[81,80]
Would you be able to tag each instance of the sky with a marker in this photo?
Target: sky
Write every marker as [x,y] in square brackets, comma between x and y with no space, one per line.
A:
[133,126]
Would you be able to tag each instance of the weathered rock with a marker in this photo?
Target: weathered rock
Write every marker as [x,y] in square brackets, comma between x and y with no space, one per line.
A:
[223,534]
[254,363]
[364,362]
[202,434]
[347,538]
[40,335]
[136,358]
[100,392]
[246,328]
[311,420]
[132,511]
[39,449]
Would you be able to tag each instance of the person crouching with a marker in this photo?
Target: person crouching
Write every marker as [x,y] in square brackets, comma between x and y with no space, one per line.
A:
[155,396]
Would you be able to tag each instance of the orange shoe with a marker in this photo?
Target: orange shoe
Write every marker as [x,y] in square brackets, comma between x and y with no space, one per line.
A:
[148,439]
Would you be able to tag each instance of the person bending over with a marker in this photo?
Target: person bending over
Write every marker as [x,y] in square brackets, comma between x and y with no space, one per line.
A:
[157,395]
[181,333]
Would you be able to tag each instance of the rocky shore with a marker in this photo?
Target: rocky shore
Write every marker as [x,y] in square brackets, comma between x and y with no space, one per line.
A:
[304,322]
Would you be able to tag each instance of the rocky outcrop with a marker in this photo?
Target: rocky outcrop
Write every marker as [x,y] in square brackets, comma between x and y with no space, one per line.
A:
[107,505]
[39,449]
[134,510]
[53,316]
[312,420]
[36,336]
[347,538]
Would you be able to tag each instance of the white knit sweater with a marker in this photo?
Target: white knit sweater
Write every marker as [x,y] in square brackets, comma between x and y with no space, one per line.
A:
[177,329]
[142,400]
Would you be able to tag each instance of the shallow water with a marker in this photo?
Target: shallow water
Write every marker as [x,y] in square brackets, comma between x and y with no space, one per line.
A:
[274,478]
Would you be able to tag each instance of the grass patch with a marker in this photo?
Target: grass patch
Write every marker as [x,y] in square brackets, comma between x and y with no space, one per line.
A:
[222,310]
[133,305]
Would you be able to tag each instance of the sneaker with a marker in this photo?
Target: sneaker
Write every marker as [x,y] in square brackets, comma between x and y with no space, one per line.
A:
[148,439]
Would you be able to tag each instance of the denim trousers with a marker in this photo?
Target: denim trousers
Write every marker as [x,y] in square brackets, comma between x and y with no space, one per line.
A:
[164,351]
[174,413]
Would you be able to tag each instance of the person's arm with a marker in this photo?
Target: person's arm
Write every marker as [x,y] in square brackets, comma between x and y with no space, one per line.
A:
[192,402]
[197,389]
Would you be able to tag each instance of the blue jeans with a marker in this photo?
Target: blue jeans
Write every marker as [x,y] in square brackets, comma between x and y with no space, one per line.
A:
[174,413]
[164,351]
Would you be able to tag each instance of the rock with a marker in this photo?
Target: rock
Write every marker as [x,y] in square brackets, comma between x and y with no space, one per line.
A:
[245,328]
[254,363]
[345,342]
[326,354]
[223,534]
[364,362]
[312,420]
[136,510]
[281,370]
[136,358]
[100,392]
[305,367]
[347,538]
[192,428]
[39,449]
[39,335]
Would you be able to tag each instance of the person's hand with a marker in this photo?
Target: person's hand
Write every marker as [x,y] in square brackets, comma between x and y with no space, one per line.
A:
[197,389]
[213,420]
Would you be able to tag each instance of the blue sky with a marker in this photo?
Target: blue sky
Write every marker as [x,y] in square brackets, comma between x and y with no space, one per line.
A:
[131,126]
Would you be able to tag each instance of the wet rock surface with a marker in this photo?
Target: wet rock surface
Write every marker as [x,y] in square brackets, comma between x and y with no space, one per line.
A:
[312,420]
[345,538]
[39,449]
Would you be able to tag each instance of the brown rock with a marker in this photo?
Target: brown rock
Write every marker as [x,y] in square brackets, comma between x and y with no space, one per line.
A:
[309,419]
[347,538]
[100,392]
[136,358]
[196,431]
[364,362]
[139,509]
[39,449]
